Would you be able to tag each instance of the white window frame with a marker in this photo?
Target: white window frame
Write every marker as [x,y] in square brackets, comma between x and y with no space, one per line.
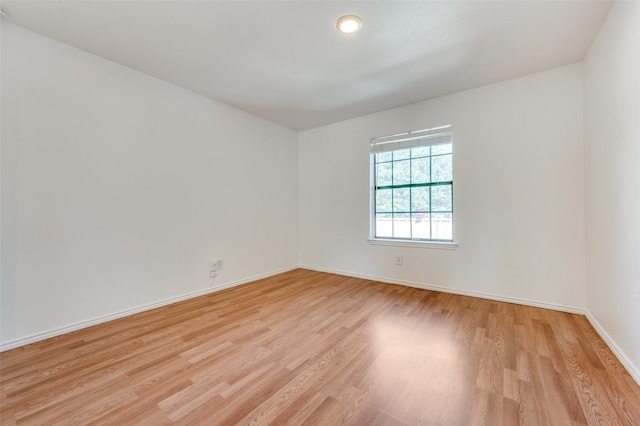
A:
[425,137]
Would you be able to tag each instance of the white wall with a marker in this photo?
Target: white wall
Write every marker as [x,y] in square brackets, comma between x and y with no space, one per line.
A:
[612,141]
[117,188]
[518,192]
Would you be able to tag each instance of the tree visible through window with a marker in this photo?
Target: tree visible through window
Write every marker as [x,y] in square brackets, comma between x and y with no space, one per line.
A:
[412,186]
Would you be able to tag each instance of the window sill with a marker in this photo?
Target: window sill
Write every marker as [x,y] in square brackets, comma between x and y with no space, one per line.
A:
[412,243]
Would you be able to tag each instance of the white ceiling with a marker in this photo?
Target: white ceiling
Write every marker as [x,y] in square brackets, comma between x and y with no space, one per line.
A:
[285,61]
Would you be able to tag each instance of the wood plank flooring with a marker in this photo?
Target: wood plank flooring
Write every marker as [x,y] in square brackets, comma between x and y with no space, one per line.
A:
[306,347]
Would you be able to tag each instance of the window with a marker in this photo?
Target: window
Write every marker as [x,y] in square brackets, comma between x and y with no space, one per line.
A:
[412,186]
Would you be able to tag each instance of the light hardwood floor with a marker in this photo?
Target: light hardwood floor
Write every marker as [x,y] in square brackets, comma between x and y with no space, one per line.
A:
[313,348]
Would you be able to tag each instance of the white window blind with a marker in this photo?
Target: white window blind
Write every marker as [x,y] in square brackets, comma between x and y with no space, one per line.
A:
[425,137]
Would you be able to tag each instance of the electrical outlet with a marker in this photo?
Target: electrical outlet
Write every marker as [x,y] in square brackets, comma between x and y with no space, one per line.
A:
[220,263]
[398,260]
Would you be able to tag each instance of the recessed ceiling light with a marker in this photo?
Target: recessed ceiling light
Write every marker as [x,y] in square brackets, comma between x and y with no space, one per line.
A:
[349,24]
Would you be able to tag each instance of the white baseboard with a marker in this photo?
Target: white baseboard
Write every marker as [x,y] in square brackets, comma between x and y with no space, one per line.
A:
[106,318]
[633,370]
[624,360]
[481,295]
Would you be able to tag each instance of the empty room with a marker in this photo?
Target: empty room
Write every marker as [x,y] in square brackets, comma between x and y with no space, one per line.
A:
[320,212]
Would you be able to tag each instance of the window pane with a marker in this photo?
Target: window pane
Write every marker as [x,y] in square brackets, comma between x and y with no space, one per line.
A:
[420,199]
[420,170]
[421,226]
[441,168]
[444,148]
[383,156]
[383,200]
[442,226]
[401,172]
[441,198]
[383,174]
[402,154]
[402,225]
[420,151]
[401,200]
[384,225]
